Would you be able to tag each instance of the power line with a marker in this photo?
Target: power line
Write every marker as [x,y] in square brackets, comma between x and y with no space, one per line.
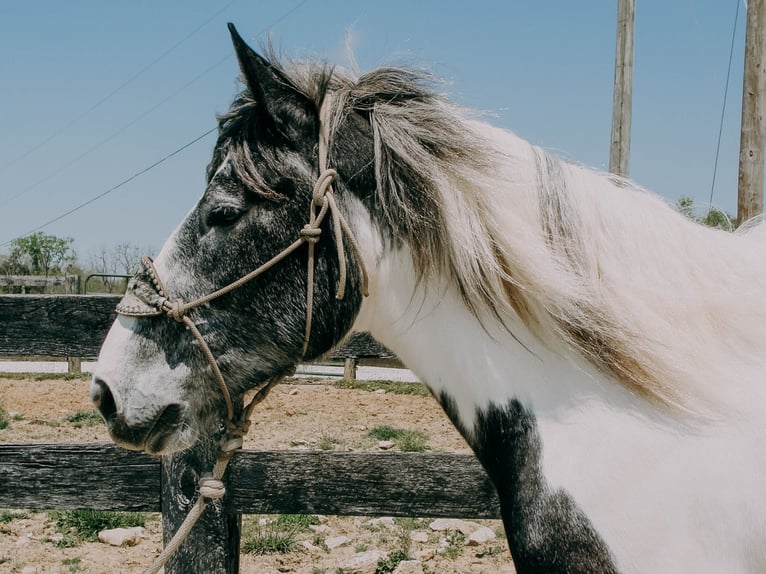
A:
[723,109]
[115,91]
[141,116]
[155,164]
[113,188]
[112,136]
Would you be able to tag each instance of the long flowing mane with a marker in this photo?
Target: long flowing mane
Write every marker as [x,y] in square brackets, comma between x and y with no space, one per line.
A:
[588,263]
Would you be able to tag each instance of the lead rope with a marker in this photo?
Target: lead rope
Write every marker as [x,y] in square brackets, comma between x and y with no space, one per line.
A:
[212,487]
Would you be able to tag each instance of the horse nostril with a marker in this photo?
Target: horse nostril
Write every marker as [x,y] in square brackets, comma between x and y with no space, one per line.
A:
[102,397]
[170,417]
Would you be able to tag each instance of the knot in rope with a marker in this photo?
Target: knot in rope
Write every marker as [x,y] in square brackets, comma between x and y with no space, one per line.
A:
[175,309]
[310,233]
[211,488]
[322,185]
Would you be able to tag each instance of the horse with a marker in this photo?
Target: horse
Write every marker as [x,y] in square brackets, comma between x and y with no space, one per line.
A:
[602,355]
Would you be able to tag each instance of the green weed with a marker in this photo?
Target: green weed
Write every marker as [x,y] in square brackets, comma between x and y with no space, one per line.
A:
[273,538]
[393,387]
[84,419]
[10,515]
[407,440]
[455,545]
[327,442]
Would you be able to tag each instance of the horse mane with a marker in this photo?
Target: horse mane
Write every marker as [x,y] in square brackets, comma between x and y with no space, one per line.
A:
[589,263]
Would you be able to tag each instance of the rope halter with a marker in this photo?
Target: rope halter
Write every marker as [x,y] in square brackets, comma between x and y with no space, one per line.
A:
[147,297]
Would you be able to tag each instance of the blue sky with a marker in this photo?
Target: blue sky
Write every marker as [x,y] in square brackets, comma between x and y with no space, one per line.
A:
[541,69]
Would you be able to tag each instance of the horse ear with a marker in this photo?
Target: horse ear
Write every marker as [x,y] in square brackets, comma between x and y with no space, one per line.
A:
[271,89]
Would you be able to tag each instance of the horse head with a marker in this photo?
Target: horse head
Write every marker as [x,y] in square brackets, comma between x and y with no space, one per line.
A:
[153,384]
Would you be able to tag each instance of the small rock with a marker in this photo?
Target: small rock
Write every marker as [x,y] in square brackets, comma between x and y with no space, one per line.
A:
[386,444]
[299,442]
[23,540]
[409,567]
[265,521]
[309,546]
[380,391]
[465,527]
[292,392]
[321,518]
[359,427]
[418,536]
[122,536]
[385,521]
[335,541]
[364,562]
[425,555]
[480,536]
[319,528]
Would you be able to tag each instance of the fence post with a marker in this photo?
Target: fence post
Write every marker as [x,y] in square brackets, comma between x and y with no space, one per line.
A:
[349,369]
[74,365]
[212,546]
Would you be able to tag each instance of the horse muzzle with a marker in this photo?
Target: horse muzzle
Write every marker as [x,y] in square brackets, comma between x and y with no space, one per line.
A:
[154,427]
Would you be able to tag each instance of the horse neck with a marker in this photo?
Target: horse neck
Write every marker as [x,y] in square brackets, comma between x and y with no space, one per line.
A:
[473,359]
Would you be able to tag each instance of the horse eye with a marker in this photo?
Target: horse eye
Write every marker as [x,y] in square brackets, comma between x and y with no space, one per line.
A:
[223,215]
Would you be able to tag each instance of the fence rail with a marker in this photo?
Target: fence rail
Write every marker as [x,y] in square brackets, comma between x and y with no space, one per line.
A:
[50,476]
[71,283]
[106,477]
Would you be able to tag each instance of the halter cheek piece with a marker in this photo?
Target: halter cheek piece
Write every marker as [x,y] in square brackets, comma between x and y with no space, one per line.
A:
[147,296]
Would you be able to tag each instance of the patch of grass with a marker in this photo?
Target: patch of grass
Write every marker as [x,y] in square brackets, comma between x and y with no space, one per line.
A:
[393,387]
[455,545]
[84,419]
[300,521]
[10,515]
[407,440]
[271,538]
[327,442]
[84,525]
[72,563]
[491,551]
[407,523]
[401,553]
[5,421]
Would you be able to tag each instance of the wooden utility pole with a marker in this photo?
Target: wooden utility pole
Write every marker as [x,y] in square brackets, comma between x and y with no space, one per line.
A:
[619,151]
[751,143]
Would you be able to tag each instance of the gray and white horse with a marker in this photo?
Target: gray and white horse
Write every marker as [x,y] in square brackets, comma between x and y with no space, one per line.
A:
[603,355]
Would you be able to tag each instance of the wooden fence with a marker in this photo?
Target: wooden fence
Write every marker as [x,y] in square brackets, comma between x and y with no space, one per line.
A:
[105,477]
[71,283]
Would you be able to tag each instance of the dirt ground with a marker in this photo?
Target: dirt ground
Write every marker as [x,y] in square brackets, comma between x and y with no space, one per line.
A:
[298,415]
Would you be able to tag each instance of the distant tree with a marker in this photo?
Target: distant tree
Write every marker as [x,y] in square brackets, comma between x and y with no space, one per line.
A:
[713,218]
[40,254]
[121,259]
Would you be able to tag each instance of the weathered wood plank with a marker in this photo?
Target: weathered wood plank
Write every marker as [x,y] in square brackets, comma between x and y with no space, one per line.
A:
[63,476]
[105,477]
[54,325]
[365,484]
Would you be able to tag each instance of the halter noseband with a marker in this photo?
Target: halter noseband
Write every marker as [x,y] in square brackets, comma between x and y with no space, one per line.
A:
[150,298]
